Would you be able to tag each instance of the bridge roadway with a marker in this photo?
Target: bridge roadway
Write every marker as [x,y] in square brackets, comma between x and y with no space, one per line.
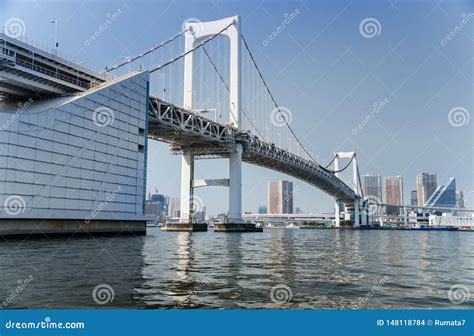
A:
[188,131]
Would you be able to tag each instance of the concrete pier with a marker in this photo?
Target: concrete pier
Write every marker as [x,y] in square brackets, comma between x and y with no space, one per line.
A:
[185,227]
[11,228]
[237,227]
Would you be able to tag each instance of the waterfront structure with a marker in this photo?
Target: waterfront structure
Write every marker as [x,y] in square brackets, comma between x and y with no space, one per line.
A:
[262,209]
[280,197]
[393,194]
[413,198]
[372,186]
[425,186]
[75,163]
[444,196]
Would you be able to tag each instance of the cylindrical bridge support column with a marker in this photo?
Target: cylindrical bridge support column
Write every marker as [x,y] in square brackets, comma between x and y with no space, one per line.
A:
[235,185]
[356,213]
[187,190]
[337,214]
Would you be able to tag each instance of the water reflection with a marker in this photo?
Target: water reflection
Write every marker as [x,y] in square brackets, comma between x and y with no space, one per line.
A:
[323,269]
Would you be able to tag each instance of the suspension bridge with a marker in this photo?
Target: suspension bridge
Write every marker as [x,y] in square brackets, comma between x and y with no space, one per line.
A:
[240,138]
[216,73]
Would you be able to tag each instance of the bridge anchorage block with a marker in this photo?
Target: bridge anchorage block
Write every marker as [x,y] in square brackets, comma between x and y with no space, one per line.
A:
[184,227]
[237,227]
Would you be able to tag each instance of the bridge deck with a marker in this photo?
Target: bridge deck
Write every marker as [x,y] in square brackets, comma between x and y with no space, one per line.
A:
[186,130]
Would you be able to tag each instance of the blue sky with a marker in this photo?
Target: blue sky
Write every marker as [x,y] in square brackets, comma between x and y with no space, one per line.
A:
[321,67]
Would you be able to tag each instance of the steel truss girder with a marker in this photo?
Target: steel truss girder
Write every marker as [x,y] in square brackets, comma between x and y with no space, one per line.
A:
[188,131]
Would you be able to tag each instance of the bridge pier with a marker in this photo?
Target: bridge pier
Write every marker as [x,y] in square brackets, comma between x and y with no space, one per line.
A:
[235,185]
[186,222]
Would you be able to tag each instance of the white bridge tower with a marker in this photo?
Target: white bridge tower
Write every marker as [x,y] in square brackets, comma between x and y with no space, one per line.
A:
[196,34]
[356,187]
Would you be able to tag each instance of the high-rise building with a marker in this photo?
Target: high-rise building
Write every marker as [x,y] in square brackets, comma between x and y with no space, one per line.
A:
[372,186]
[459,199]
[425,187]
[162,199]
[174,208]
[393,194]
[444,196]
[262,209]
[280,197]
[413,198]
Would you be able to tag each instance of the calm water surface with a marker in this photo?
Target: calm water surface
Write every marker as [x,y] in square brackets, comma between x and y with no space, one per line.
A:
[322,268]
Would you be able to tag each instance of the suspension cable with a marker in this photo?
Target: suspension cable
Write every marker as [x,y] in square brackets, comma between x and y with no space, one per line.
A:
[228,89]
[340,170]
[147,52]
[191,50]
[330,163]
[273,99]
[360,183]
